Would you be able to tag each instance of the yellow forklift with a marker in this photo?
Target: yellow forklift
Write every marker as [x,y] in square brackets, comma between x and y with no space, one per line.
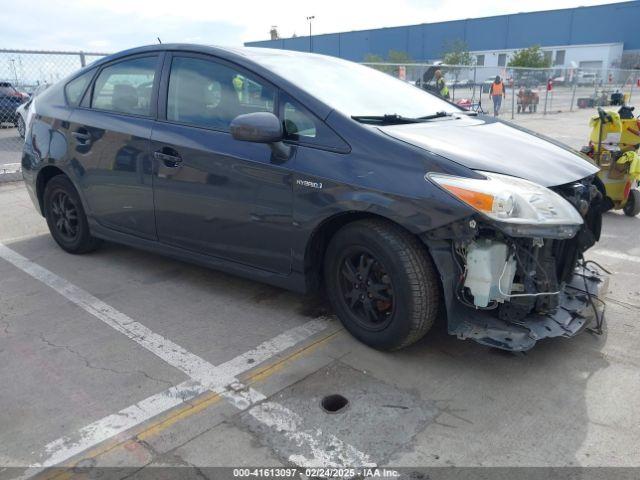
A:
[613,145]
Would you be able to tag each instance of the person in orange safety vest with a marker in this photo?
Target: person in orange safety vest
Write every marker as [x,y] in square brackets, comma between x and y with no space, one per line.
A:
[496,92]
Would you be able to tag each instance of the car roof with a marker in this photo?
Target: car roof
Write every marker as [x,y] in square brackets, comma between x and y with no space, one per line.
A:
[250,53]
[248,57]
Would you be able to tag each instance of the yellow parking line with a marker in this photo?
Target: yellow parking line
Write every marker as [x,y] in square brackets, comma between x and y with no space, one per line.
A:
[187,409]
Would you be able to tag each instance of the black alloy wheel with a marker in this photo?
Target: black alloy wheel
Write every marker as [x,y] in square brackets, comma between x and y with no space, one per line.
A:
[366,288]
[382,283]
[65,216]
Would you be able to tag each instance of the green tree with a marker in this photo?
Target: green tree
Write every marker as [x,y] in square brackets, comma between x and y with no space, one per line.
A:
[401,58]
[532,57]
[373,58]
[394,56]
[457,53]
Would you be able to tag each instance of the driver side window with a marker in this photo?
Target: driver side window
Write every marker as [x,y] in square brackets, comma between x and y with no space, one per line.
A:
[210,94]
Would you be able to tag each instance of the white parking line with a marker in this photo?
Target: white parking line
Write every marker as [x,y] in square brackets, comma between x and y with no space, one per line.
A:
[204,376]
[64,448]
[619,255]
[10,168]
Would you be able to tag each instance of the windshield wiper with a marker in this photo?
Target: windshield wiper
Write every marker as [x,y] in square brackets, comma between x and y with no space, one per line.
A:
[395,119]
[436,115]
[389,119]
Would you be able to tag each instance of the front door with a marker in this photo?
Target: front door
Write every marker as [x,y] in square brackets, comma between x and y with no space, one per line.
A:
[213,194]
[111,151]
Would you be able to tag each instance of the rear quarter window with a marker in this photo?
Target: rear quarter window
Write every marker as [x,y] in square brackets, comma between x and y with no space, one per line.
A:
[74,90]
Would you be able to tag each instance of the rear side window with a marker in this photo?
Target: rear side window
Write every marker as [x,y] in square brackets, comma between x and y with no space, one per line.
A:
[209,94]
[76,87]
[126,87]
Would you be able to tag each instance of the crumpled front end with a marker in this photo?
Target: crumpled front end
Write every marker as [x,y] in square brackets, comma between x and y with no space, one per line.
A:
[509,288]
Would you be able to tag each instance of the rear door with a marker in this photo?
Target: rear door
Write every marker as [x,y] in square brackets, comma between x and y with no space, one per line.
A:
[213,194]
[110,134]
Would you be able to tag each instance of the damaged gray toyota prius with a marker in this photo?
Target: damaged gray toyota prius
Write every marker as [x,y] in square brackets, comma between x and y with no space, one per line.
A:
[306,171]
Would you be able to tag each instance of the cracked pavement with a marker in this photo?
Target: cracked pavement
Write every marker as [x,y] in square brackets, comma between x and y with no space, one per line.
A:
[568,402]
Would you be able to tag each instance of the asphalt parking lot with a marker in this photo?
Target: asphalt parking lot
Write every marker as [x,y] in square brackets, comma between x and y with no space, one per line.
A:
[121,358]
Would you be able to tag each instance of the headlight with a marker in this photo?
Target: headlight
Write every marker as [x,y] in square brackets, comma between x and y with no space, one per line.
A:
[520,206]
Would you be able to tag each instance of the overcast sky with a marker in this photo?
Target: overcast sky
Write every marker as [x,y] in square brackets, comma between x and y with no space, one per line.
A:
[112,25]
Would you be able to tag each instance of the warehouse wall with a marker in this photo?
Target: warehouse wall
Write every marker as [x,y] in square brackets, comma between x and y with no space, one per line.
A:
[613,23]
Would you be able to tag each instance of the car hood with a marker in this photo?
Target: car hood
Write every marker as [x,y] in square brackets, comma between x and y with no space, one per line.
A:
[482,143]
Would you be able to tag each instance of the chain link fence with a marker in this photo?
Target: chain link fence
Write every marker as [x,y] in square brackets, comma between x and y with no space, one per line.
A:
[23,75]
[528,91]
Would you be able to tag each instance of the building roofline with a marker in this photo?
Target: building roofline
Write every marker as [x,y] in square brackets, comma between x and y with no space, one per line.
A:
[581,7]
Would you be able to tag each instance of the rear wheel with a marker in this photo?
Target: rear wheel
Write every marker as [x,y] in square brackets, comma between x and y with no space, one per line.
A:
[632,207]
[66,218]
[382,284]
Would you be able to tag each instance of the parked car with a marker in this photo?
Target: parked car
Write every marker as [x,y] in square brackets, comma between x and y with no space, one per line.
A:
[26,110]
[587,79]
[399,204]
[10,100]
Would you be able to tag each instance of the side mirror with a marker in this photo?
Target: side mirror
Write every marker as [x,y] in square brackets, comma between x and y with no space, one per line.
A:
[261,127]
[258,127]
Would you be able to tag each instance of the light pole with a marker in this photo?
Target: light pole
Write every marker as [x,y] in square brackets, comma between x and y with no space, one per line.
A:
[310,19]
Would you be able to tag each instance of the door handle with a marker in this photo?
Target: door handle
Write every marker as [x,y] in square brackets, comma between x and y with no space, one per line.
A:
[83,138]
[172,161]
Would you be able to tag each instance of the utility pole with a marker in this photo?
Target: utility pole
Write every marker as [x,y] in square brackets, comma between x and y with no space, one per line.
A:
[310,19]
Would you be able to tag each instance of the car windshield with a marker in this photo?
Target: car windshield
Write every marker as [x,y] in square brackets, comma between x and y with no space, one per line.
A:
[353,89]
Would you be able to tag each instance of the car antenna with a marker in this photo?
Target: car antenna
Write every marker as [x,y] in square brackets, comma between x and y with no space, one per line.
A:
[159,41]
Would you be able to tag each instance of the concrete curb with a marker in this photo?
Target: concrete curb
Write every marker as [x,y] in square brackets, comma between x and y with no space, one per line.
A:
[7,176]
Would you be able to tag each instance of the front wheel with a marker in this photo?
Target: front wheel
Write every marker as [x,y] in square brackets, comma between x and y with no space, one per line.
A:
[382,284]
[632,207]
[66,218]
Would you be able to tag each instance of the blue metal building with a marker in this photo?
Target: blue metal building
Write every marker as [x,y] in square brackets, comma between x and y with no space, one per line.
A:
[597,25]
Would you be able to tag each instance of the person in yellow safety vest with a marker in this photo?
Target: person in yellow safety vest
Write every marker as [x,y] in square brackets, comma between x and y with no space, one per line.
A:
[441,85]
[238,83]
[496,92]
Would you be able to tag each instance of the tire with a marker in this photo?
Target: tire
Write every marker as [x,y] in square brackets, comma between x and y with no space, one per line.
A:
[632,207]
[66,218]
[21,126]
[398,300]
